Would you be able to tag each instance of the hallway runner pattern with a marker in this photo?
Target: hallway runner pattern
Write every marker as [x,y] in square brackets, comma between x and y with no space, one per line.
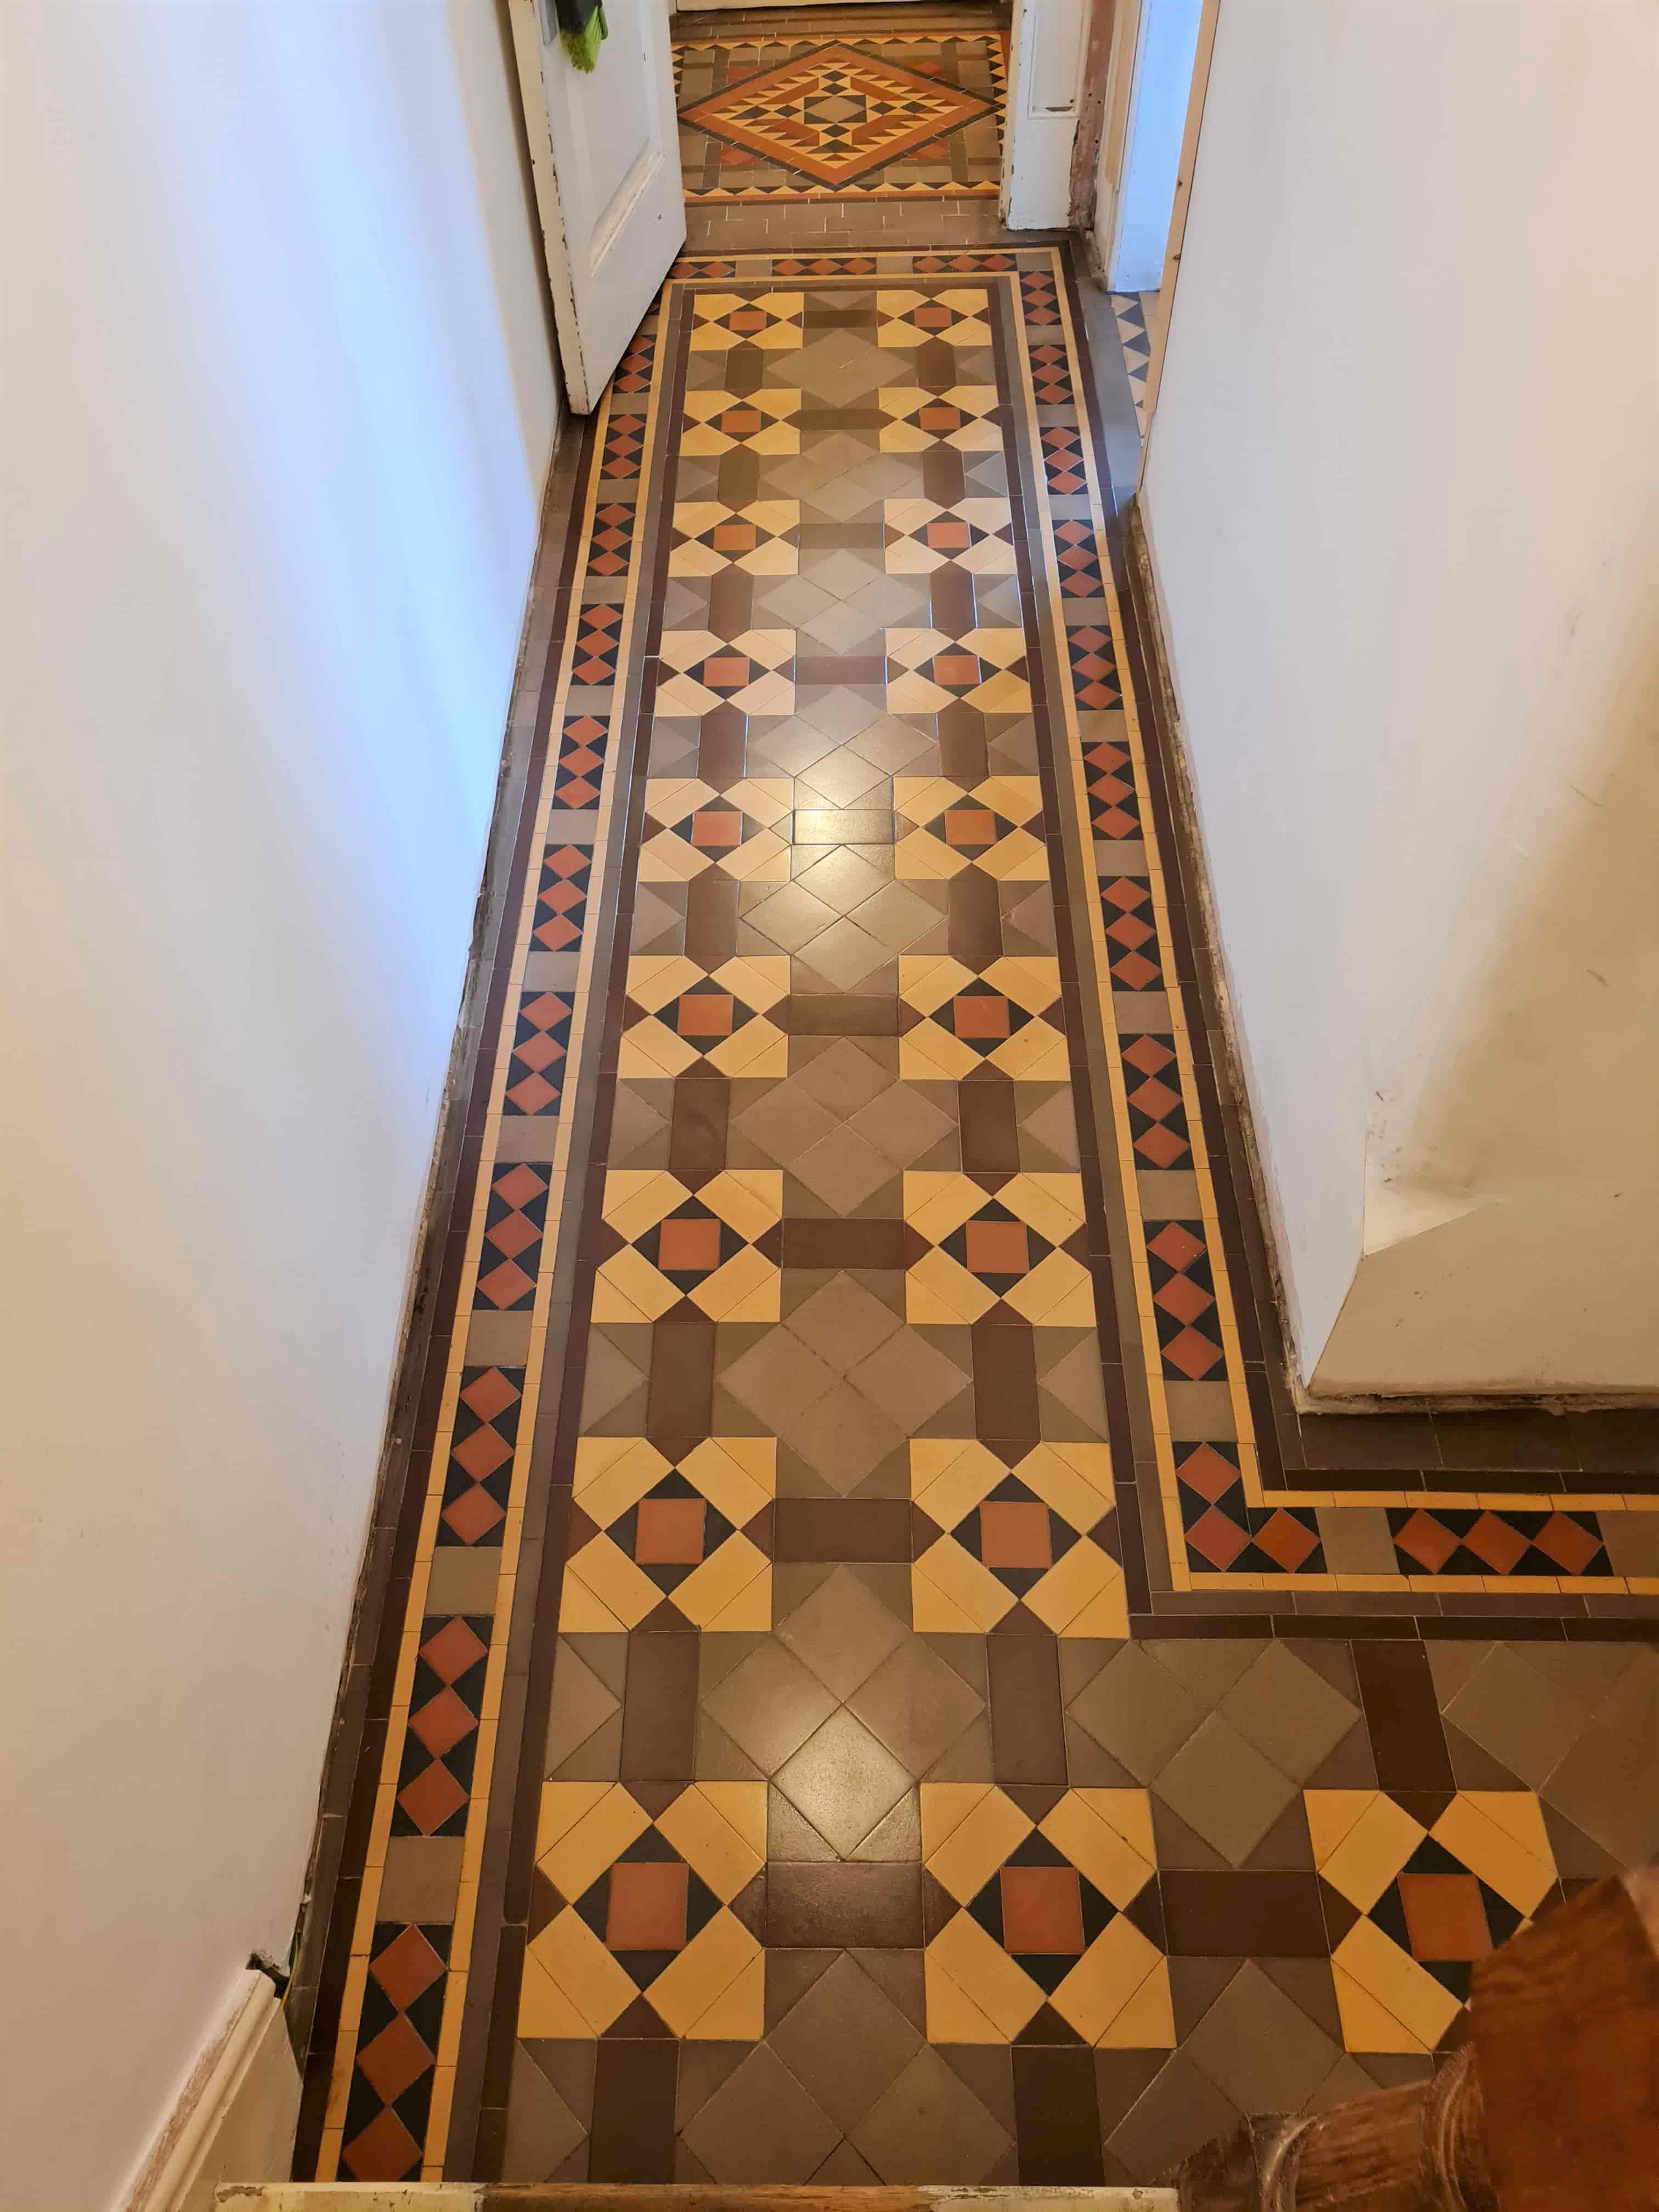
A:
[820,1738]
[901,115]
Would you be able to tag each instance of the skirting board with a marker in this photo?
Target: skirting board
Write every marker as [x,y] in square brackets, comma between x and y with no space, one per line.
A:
[235,2119]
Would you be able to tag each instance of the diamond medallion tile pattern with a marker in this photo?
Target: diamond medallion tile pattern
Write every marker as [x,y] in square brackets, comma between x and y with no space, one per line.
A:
[900,116]
[857,1702]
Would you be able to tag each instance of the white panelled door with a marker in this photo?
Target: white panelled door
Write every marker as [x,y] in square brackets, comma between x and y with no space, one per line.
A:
[1045,48]
[605,148]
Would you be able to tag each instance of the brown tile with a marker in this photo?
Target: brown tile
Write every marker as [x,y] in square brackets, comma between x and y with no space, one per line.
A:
[849,1244]
[950,593]
[680,1407]
[835,1529]
[848,1907]
[990,1126]
[711,919]
[1028,1731]
[916,1705]
[769,1705]
[845,2041]
[660,1712]
[632,2132]
[760,2126]
[1004,1384]
[844,1780]
[696,1144]
[1402,1716]
[1508,1441]
[1057,2116]
[1231,1915]
[1378,1441]
[974,912]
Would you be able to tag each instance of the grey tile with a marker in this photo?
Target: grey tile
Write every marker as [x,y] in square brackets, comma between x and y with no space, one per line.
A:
[842,1632]
[769,1705]
[844,1780]
[916,1705]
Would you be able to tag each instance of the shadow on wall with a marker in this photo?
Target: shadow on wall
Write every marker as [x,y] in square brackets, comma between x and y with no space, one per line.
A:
[1529,1153]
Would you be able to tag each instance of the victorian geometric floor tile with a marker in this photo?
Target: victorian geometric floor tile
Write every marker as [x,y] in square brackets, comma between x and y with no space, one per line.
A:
[862,1700]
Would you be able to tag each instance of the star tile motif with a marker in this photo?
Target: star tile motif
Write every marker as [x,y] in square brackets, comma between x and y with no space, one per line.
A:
[665,1244]
[1040,1536]
[833,114]
[928,670]
[976,534]
[754,671]
[1023,1248]
[945,828]
[1048,1915]
[759,538]
[694,1533]
[628,1910]
[909,319]
[1416,1904]
[965,415]
[675,1015]
[759,422]
[953,1021]
[742,830]
[771,320]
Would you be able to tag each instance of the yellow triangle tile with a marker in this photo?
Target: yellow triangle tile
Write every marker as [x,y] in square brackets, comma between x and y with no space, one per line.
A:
[945,1807]
[948,1477]
[665,858]
[1086,1583]
[1056,1294]
[758,1049]
[1108,1975]
[750,1199]
[649,1050]
[606,1571]
[628,1288]
[1018,858]
[1036,1053]
[613,1473]
[713,1592]
[760,983]
[929,1053]
[1146,2023]
[921,859]
[1366,2025]
[1129,1811]
[697,1826]
[933,1613]
[1081,1491]
[926,981]
[582,1970]
[936,1290]
[1097,1848]
[764,859]
[952,2015]
[985,1974]
[1385,1971]
[738,2015]
[545,2011]
[973,1851]
[949,1578]
[1372,1852]
[582,1611]
[1332,1813]
[1001,694]
[937,1203]
[563,1805]
[737,1474]
[703,1972]
[654,978]
[1052,1204]
[1470,1831]
[636,1198]
[745,1289]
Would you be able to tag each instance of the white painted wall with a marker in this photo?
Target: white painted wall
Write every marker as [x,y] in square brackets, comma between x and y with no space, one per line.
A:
[278,407]
[1167,41]
[1400,493]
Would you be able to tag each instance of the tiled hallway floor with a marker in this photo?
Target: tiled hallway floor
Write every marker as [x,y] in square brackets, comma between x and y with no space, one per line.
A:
[867,1687]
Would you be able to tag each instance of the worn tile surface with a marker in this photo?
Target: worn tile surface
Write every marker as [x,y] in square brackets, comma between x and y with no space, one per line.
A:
[867,1697]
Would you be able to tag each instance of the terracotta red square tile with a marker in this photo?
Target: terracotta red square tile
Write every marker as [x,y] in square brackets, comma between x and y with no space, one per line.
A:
[451,1649]
[472,1515]
[1495,1544]
[688,1247]
[947,535]
[1175,1245]
[441,1722]
[979,1017]
[490,1394]
[1041,1910]
[966,826]
[669,1531]
[520,1185]
[385,2151]
[396,2057]
[1192,1355]
[1216,1538]
[481,1454]
[713,832]
[1183,1298]
[408,1965]
[1014,1533]
[645,1909]
[734,538]
[1285,1541]
[1208,1473]
[704,1013]
[1571,1547]
[1445,1916]
[433,1797]
[726,670]
[1134,971]
[513,1234]
[505,1286]
[1424,1539]
[996,1248]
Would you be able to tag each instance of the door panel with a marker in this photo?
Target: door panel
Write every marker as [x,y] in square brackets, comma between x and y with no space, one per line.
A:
[1046,50]
[605,149]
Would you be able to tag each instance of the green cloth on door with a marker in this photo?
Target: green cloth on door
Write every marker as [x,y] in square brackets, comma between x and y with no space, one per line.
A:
[581,26]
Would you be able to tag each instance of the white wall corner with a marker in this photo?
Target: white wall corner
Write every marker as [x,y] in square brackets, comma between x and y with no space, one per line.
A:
[234,2118]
